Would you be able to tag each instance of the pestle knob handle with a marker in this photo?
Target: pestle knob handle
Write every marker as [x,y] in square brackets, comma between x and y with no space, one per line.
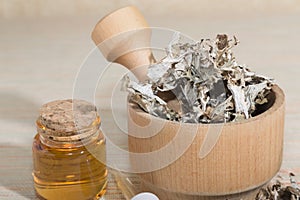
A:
[123,37]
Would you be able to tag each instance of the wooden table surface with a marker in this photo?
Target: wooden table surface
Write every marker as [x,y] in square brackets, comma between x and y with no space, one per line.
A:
[40,58]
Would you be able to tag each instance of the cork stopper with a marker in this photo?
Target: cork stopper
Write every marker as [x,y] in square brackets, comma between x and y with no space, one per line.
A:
[67,117]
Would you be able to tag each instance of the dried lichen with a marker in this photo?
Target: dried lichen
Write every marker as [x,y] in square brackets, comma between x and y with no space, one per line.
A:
[205,80]
[278,191]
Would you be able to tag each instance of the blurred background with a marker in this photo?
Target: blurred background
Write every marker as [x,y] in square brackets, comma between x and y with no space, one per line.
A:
[48,8]
[47,34]
[43,43]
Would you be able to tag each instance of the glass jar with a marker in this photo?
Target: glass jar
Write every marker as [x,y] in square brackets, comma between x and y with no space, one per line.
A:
[69,152]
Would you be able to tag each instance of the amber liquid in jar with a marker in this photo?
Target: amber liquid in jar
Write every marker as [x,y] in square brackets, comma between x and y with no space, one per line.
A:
[69,169]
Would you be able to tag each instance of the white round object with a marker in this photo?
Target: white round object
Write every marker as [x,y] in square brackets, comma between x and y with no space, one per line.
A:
[145,196]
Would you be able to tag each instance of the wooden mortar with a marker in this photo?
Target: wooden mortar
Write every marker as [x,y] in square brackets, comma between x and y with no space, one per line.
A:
[247,154]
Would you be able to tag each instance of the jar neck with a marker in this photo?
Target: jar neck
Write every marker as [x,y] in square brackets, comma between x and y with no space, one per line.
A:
[82,137]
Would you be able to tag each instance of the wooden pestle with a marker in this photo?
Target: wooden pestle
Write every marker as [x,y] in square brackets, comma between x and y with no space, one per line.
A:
[123,37]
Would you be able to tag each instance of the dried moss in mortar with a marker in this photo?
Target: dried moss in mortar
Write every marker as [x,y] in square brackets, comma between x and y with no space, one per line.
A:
[200,82]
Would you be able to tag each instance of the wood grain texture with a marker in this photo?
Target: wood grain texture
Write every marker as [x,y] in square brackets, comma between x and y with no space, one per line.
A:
[247,154]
